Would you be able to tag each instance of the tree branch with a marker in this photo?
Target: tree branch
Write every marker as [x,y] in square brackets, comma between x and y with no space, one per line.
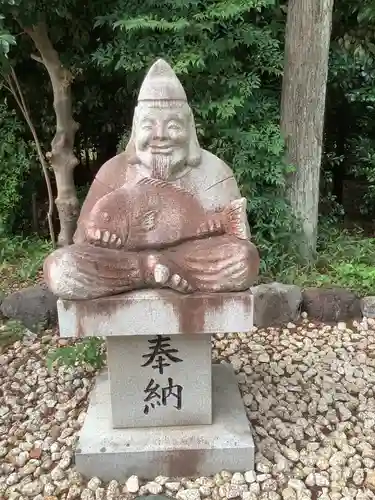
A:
[37,58]
[61,156]
[15,89]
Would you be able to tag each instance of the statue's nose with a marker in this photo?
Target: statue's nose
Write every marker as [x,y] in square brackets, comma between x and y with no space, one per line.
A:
[159,131]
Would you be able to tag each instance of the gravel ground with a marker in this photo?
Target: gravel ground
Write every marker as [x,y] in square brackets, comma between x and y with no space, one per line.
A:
[309,393]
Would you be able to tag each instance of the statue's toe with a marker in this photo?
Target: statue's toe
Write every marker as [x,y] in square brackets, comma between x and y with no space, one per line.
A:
[180,284]
[161,274]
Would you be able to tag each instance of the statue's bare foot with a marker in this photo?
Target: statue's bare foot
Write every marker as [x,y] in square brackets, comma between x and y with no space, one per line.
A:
[103,238]
[163,277]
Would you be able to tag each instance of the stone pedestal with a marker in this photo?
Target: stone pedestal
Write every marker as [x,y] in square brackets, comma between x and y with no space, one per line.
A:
[196,450]
[159,408]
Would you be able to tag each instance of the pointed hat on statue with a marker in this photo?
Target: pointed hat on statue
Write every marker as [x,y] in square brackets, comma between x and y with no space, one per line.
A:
[161,84]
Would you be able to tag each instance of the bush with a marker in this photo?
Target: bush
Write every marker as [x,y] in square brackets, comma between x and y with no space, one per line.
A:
[20,259]
[229,59]
[89,351]
[17,163]
[344,259]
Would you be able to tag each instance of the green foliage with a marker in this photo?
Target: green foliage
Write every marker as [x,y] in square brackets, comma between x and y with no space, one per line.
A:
[89,351]
[21,258]
[230,61]
[17,161]
[10,332]
[344,259]
[350,122]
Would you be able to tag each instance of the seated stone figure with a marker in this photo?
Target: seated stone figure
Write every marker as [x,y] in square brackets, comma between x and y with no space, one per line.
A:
[164,147]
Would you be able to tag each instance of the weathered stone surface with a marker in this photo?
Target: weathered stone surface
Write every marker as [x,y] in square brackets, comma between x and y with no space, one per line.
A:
[368,306]
[150,312]
[179,365]
[276,304]
[198,450]
[331,304]
[35,307]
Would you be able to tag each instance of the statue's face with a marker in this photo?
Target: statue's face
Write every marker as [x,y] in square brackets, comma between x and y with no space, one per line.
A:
[162,139]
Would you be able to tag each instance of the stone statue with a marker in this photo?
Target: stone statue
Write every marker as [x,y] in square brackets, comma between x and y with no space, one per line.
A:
[164,213]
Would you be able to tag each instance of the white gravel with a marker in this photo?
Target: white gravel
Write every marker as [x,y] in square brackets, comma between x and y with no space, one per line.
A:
[309,393]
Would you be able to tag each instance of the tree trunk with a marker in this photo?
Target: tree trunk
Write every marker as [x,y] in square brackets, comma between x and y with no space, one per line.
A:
[61,157]
[302,108]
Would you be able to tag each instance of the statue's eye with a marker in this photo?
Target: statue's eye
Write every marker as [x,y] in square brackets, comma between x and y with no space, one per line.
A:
[146,126]
[174,126]
[106,217]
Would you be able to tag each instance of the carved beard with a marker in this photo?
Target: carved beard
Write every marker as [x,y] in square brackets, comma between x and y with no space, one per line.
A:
[161,166]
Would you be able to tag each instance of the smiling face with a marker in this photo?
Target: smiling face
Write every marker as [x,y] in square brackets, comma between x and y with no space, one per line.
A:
[161,138]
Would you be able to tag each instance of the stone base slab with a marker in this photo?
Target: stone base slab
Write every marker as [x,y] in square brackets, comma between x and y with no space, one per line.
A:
[150,312]
[199,450]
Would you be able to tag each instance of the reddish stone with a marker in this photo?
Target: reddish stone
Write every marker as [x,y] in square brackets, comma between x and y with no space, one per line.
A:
[35,453]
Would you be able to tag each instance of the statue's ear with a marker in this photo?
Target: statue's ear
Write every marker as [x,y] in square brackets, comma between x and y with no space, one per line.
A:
[195,152]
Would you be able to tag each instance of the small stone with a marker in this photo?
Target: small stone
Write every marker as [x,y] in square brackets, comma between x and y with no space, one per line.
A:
[344,412]
[263,477]
[370,480]
[65,461]
[22,458]
[226,475]
[321,480]
[57,474]
[172,486]
[250,476]
[100,494]
[87,494]
[322,463]
[358,477]
[254,488]
[112,489]
[12,479]
[132,484]
[338,459]
[36,453]
[238,478]
[154,488]
[264,358]
[94,483]
[32,489]
[188,495]
[281,464]
[269,485]
[263,468]
[310,479]
[74,492]
[247,495]
[219,481]
[291,454]
[289,494]
[60,416]
[205,491]
[49,489]
[161,480]
[296,484]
